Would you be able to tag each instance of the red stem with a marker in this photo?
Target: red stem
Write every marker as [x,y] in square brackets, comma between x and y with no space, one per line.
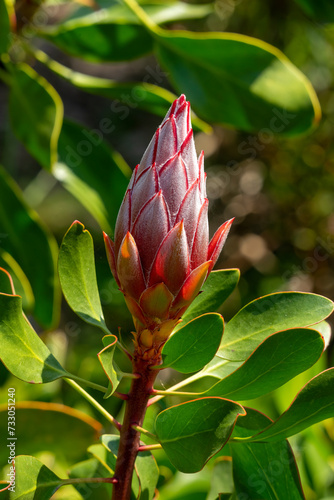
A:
[141,389]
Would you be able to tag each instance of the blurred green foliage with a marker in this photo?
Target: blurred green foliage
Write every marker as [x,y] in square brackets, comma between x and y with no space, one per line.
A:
[279,188]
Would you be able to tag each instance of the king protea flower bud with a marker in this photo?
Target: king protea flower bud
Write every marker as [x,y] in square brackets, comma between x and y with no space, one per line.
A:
[161,255]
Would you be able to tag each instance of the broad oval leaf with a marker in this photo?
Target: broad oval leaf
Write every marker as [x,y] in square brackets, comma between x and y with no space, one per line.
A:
[192,432]
[279,358]
[26,239]
[50,427]
[238,80]
[270,314]
[263,470]
[36,114]
[106,359]
[194,345]
[22,351]
[36,480]
[81,168]
[77,275]
[314,403]
[217,288]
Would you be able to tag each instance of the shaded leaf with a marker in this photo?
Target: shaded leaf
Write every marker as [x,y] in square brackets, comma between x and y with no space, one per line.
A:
[52,427]
[217,288]
[90,171]
[279,358]
[106,359]
[194,345]
[263,470]
[6,282]
[314,403]
[21,285]
[270,314]
[148,474]
[321,10]
[36,114]
[77,275]
[238,80]
[192,432]
[22,351]
[25,238]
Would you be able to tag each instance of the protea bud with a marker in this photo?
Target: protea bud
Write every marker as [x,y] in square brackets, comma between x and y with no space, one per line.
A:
[161,255]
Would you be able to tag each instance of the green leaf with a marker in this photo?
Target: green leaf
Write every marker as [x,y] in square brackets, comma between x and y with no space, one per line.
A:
[22,351]
[148,474]
[263,470]
[314,403]
[77,275]
[217,288]
[81,168]
[194,345]
[36,481]
[270,314]
[106,359]
[21,283]
[222,480]
[238,80]
[114,34]
[32,246]
[36,113]
[321,10]
[279,358]
[49,427]
[192,432]
[104,456]
[4,27]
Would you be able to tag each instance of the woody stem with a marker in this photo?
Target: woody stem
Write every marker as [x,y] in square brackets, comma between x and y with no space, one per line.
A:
[136,404]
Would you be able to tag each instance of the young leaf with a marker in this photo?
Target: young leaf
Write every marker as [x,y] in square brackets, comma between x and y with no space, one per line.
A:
[36,113]
[270,314]
[52,427]
[22,351]
[114,34]
[106,359]
[77,275]
[279,358]
[314,403]
[81,168]
[37,256]
[217,288]
[238,80]
[35,480]
[192,432]
[194,345]
[263,470]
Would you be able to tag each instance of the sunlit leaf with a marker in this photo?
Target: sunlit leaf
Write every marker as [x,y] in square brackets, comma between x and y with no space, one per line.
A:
[263,470]
[22,351]
[194,345]
[36,114]
[217,288]
[190,433]
[106,359]
[36,480]
[314,403]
